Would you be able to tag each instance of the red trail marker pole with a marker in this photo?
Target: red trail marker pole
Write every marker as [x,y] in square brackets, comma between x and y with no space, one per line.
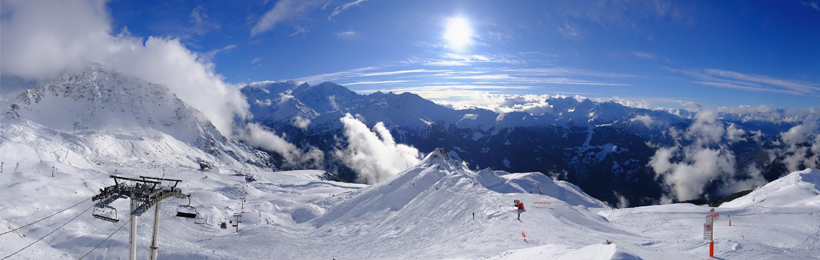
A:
[711,249]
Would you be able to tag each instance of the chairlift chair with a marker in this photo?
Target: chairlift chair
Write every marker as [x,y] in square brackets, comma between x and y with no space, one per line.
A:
[187,211]
[199,220]
[106,213]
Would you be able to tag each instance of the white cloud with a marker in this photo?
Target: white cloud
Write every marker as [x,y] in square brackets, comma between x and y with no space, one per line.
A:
[795,154]
[259,136]
[343,7]
[373,153]
[42,39]
[283,10]
[532,104]
[687,169]
[735,134]
[645,119]
[799,133]
[255,60]
[332,100]
[300,122]
[690,104]
[706,129]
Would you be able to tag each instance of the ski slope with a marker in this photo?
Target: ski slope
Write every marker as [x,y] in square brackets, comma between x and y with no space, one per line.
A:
[425,212]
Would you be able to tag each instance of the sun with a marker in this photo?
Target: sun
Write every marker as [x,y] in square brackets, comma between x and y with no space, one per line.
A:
[459,33]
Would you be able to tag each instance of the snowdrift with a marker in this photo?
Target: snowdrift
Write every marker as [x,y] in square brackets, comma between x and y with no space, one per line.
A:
[798,189]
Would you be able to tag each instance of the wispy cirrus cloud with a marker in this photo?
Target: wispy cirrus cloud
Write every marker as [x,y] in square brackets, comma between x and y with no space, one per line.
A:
[811,4]
[453,59]
[208,56]
[339,9]
[464,94]
[201,22]
[736,80]
[334,76]
[284,10]
[558,71]
[346,34]
[645,55]
[375,82]
[400,72]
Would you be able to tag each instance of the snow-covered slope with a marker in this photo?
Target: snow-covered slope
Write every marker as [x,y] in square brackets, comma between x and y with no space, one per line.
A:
[438,171]
[108,118]
[425,212]
[798,189]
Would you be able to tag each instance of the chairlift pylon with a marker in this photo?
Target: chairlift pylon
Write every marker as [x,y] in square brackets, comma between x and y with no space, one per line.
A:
[106,213]
[187,211]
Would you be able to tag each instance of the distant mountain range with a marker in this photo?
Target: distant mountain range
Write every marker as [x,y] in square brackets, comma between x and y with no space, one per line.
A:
[603,147]
[610,150]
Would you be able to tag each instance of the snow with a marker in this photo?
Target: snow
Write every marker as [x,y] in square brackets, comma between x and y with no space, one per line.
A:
[424,212]
[797,189]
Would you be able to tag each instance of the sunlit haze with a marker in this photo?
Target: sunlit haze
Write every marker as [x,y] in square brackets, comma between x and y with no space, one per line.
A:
[458,34]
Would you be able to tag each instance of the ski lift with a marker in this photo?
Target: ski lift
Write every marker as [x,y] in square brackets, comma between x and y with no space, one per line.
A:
[223,225]
[187,211]
[199,220]
[106,213]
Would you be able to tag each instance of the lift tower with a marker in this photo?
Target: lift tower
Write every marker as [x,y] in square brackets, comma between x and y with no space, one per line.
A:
[144,193]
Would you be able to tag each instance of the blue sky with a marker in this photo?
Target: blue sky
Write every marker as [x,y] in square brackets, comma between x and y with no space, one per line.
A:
[713,53]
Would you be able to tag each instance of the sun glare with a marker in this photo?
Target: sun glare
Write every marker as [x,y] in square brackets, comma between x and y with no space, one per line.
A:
[459,33]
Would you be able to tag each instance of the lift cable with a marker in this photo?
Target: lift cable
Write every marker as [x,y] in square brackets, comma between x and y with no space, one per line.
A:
[106,239]
[43,218]
[52,232]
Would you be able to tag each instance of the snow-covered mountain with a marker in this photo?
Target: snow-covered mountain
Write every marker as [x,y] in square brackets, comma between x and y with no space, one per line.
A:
[574,139]
[102,117]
